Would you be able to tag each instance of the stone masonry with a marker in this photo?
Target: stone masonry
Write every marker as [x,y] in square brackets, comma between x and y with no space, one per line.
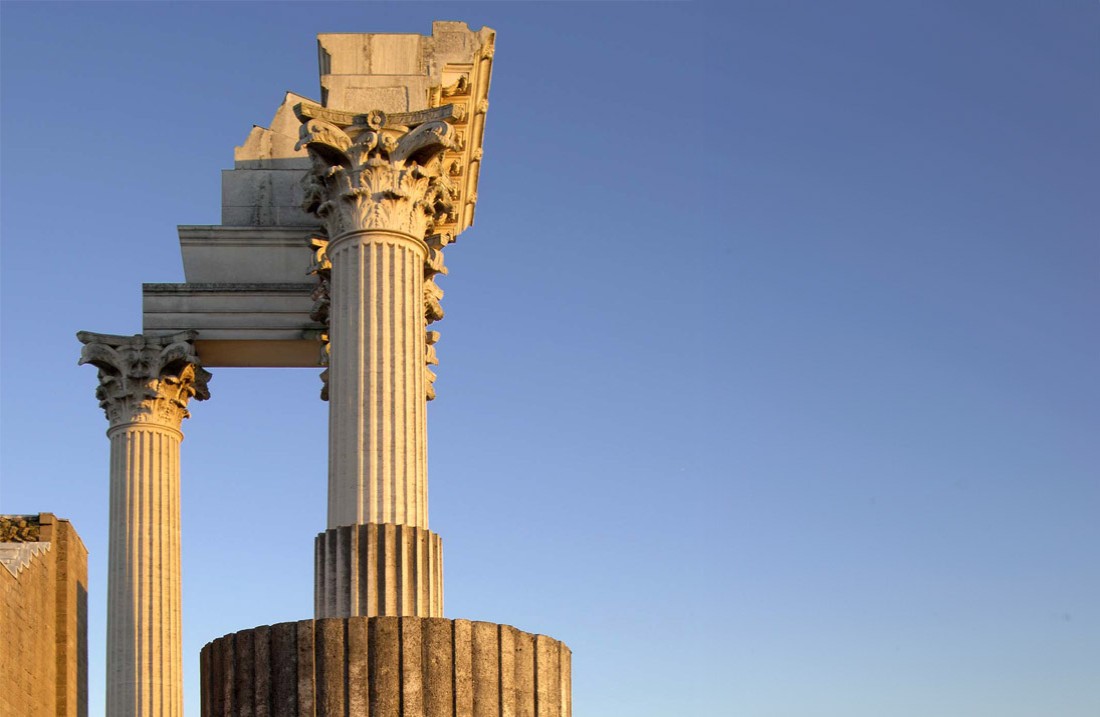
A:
[43,617]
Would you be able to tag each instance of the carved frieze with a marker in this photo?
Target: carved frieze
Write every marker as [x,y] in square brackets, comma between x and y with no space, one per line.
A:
[465,85]
[145,379]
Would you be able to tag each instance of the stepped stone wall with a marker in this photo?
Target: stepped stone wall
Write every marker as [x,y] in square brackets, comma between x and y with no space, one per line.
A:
[386,667]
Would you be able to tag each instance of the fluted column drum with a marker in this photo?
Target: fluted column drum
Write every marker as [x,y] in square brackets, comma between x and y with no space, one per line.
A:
[369,570]
[386,667]
[377,407]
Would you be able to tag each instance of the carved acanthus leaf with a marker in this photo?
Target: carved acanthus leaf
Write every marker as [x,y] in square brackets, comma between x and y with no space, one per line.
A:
[430,359]
[321,267]
[433,310]
[370,175]
[145,379]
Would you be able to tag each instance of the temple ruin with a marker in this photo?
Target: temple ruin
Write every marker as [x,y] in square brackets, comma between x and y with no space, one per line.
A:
[335,222]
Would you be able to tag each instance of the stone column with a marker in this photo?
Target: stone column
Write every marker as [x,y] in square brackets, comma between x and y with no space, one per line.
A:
[377,433]
[378,188]
[386,667]
[145,384]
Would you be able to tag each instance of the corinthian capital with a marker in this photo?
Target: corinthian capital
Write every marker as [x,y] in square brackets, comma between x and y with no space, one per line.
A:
[145,379]
[371,171]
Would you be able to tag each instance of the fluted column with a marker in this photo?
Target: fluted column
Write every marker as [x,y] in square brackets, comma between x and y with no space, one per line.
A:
[145,384]
[378,188]
[378,448]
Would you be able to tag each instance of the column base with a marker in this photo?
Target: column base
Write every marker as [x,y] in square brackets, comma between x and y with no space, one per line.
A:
[378,570]
[386,667]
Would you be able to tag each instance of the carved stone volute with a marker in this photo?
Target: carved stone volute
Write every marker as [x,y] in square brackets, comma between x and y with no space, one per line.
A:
[371,171]
[145,379]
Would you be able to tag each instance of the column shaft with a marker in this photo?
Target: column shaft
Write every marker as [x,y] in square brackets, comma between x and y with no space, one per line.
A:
[379,190]
[144,648]
[377,423]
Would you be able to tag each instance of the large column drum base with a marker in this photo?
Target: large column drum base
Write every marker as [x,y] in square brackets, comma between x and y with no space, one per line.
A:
[386,667]
[373,570]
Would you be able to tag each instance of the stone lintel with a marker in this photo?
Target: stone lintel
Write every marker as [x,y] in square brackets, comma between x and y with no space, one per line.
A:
[241,325]
[246,255]
[259,353]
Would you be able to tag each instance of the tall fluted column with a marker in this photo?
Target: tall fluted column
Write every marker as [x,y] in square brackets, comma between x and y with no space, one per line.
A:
[378,187]
[378,444]
[145,384]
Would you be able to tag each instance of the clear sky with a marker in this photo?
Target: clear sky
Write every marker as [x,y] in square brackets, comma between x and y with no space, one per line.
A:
[768,378]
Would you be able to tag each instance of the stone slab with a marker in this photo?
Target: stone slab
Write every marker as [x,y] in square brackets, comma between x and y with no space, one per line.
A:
[243,255]
[256,325]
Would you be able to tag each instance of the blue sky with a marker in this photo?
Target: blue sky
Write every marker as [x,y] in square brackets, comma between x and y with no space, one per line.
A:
[768,374]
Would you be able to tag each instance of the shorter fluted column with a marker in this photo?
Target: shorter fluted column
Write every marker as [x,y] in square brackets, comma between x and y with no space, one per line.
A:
[386,667]
[145,384]
[368,570]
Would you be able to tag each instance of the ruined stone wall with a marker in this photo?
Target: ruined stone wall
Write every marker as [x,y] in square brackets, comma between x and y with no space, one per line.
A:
[386,667]
[43,618]
[28,668]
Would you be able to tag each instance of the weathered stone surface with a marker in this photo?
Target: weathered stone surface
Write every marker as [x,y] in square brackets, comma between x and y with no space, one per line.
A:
[43,617]
[378,569]
[263,189]
[390,667]
[20,528]
[244,255]
[273,147]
